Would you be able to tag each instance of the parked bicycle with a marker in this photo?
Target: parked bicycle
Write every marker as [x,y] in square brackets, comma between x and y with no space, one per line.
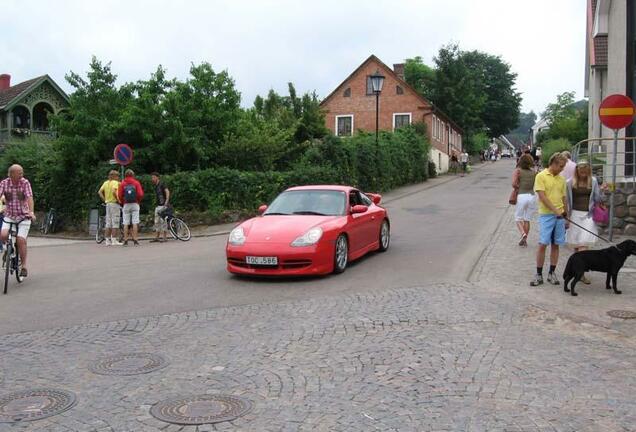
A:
[101,224]
[11,261]
[177,227]
[48,223]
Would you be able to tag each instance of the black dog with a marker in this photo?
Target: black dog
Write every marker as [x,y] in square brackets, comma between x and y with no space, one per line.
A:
[608,261]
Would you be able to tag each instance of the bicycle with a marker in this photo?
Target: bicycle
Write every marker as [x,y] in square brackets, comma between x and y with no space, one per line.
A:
[48,224]
[11,261]
[177,227]
[101,224]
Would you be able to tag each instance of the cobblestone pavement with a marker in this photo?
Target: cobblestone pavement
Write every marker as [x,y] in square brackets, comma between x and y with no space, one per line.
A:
[436,358]
[492,354]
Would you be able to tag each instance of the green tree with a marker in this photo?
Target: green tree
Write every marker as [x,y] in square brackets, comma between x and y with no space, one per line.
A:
[567,119]
[420,76]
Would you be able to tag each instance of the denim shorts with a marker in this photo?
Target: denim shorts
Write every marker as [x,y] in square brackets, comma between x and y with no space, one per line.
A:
[551,230]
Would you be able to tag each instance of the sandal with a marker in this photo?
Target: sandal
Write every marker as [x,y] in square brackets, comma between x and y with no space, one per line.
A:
[23,272]
[522,240]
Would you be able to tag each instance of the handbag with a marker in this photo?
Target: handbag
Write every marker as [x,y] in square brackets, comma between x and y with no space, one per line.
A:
[513,196]
[600,214]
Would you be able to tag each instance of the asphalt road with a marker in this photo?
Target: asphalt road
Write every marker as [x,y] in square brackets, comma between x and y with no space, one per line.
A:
[438,235]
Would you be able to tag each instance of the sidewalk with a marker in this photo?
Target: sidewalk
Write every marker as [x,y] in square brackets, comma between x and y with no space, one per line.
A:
[507,268]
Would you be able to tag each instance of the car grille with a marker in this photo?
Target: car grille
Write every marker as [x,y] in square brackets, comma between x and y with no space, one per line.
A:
[288,264]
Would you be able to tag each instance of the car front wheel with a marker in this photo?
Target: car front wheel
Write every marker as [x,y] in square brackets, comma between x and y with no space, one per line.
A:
[341,256]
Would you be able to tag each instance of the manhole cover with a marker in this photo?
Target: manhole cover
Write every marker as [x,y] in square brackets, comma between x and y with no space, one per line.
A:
[622,314]
[34,404]
[129,364]
[201,409]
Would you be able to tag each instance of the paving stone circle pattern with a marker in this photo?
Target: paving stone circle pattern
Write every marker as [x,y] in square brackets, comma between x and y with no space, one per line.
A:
[201,409]
[129,364]
[34,404]
[622,314]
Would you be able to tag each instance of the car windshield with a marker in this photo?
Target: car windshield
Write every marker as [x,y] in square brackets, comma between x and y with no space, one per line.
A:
[308,202]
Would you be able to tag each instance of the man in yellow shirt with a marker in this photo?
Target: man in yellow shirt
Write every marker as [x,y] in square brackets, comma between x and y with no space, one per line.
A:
[551,192]
[108,194]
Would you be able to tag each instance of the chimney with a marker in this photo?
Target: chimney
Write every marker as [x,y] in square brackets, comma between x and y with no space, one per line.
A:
[399,70]
[5,81]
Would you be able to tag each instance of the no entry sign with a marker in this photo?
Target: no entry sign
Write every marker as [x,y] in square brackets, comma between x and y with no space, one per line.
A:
[616,111]
[123,154]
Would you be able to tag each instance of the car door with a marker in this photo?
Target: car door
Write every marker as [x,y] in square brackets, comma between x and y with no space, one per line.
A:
[361,223]
[373,220]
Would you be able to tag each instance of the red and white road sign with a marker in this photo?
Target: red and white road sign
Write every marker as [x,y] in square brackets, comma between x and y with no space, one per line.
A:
[617,111]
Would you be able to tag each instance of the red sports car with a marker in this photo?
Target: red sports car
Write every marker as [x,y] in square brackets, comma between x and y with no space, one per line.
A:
[309,230]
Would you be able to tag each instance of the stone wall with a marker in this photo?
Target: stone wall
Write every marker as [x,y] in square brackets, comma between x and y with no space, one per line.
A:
[625,210]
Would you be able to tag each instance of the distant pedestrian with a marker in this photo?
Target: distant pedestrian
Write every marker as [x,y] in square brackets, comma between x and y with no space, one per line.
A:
[570,166]
[583,194]
[493,156]
[130,194]
[109,195]
[523,179]
[163,201]
[463,158]
[538,153]
[553,207]
[454,163]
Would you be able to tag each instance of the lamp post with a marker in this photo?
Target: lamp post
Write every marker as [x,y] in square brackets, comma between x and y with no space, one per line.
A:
[377,79]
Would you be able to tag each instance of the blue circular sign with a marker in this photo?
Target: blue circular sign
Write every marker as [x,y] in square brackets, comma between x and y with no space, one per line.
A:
[123,154]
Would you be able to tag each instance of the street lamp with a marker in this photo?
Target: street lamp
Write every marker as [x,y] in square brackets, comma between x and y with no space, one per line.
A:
[377,79]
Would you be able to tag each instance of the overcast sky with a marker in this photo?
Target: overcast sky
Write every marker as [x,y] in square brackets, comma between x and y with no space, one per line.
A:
[316,45]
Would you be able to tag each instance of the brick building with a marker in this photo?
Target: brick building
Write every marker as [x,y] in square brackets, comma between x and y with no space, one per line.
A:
[351,107]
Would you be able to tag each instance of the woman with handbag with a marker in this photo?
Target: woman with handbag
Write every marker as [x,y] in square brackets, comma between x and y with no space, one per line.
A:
[584,195]
[525,200]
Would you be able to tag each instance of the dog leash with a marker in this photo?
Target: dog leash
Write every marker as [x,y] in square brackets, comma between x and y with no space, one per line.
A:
[587,230]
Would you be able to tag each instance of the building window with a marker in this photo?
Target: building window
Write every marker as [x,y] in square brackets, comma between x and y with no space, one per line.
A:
[344,125]
[347,92]
[434,124]
[399,90]
[401,119]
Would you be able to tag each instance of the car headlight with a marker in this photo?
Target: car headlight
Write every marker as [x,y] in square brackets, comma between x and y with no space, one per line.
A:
[237,236]
[309,238]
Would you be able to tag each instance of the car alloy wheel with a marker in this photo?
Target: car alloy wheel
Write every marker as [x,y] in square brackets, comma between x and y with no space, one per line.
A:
[342,254]
[385,236]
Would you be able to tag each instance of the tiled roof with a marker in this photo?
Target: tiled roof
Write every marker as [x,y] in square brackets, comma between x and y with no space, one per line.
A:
[7,95]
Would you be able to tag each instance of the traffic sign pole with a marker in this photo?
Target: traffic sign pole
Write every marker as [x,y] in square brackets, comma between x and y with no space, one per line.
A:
[613,187]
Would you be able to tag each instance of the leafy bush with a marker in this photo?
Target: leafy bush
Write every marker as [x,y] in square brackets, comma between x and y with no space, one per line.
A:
[553,146]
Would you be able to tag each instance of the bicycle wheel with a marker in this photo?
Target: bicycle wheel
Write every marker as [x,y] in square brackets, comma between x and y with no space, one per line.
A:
[99,234]
[6,261]
[16,262]
[179,229]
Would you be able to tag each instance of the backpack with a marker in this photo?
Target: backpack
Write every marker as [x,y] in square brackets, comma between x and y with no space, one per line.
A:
[130,194]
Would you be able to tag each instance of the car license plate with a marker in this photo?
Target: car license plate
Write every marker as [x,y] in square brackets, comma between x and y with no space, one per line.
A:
[261,260]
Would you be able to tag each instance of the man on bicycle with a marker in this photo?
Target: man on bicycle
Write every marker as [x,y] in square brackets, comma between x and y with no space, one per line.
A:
[108,194]
[163,200]
[19,208]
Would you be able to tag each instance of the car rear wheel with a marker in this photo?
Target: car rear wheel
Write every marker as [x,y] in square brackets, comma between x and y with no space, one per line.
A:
[385,236]
[341,257]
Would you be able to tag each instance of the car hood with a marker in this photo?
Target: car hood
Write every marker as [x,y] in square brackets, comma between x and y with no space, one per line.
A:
[281,229]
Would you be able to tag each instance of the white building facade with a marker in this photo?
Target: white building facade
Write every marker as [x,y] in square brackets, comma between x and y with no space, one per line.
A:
[610,52]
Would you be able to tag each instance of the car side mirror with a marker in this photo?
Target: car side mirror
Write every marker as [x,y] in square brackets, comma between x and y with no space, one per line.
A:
[376,198]
[357,209]
[262,209]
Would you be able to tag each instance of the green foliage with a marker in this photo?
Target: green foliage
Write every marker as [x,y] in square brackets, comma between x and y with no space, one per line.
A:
[567,119]
[553,146]
[420,76]
[477,142]
[476,89]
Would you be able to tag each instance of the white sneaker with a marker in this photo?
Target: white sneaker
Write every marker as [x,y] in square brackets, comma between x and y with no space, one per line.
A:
[115,243]
[108,243]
